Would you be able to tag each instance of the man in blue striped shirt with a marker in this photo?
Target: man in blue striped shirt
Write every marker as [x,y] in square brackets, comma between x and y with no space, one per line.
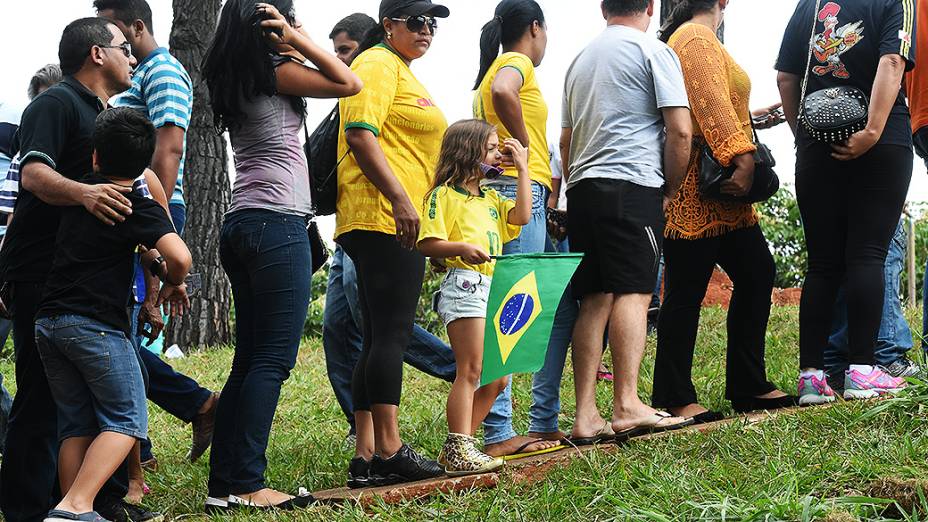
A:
[162,90]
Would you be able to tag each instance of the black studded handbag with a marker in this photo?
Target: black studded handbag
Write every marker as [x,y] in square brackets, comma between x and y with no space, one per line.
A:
[833,114]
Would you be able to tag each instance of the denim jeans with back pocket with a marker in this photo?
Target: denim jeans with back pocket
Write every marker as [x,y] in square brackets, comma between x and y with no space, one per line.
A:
[266,256]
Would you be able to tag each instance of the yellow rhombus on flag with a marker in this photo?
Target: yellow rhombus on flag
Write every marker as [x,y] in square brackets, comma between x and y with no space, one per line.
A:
[524,297]
[522,307]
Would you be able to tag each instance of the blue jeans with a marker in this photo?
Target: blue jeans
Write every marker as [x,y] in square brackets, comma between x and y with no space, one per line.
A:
[94,375]
[921,148]
[6,401]
[266,256]
[174,392]
[342,337]
[894,338]
[656,296]
[179,217]
[546,383]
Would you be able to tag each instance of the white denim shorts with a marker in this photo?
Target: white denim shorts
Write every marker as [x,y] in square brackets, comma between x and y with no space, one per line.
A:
[463,295]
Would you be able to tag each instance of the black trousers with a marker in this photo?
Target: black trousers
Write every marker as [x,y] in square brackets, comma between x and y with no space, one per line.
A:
[850,210]
[689,264]
[389,283]
[29,474]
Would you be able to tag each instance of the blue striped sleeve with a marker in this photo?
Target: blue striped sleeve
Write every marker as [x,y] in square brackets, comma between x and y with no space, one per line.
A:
[168,95]
[9,188]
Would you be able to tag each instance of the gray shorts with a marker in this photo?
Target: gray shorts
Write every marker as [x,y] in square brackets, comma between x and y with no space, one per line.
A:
[463,295]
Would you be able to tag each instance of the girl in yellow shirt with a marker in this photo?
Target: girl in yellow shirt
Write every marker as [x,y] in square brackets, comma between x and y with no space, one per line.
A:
[466,225]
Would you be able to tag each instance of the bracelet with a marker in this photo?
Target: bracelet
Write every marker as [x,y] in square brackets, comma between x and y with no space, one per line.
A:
[155,266]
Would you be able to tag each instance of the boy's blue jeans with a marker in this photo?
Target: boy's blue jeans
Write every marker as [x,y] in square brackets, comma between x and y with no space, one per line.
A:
[94,375]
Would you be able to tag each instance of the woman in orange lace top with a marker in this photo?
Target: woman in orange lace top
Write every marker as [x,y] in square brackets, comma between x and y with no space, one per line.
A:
[701,233]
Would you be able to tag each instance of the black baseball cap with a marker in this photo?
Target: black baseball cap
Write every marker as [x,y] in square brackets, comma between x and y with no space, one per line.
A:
[391,8]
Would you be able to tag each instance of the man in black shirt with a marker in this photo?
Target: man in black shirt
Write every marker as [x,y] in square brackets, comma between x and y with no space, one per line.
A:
[82,325]
[55,144]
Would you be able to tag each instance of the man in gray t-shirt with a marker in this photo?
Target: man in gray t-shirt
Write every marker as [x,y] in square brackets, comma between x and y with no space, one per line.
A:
[625,148]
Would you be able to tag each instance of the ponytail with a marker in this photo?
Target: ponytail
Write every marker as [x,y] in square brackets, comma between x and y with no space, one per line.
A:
[682,13]
[490,40]
[510,21]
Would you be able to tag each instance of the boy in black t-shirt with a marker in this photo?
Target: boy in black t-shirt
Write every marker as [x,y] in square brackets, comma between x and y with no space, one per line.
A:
[82,324]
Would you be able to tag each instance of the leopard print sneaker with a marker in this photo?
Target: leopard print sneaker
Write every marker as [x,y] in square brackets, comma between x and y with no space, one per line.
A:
[460,456]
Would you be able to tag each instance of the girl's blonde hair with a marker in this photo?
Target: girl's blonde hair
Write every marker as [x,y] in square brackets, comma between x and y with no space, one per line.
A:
[463,149]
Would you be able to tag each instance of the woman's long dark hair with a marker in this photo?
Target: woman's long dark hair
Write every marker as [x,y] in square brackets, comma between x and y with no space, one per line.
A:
[238,65]
[510,21]
[682,13]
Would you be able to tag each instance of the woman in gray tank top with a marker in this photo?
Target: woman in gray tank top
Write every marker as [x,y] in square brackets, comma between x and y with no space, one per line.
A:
[257,81]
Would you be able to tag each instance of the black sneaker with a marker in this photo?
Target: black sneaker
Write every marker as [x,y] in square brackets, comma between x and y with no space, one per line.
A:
[122,511]
[359,471]
[405,466]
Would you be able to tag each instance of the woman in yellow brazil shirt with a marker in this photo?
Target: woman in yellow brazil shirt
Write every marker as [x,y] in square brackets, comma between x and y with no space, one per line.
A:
[392,138]
[508,96]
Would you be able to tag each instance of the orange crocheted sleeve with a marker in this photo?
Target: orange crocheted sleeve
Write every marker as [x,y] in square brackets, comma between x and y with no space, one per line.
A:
[705,71]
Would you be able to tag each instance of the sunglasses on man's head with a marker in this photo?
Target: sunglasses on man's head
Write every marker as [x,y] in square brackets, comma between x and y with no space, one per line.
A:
[125,47]
[416,23]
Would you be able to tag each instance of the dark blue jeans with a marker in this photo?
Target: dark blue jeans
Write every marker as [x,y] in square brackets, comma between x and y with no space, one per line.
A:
[179,217]
[6,401]
[921,148]
[894,339]
[266,256]
[342,337]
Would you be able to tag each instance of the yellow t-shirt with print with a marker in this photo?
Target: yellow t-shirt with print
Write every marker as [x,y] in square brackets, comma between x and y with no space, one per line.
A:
[409,128]
[534,113]
[454,214]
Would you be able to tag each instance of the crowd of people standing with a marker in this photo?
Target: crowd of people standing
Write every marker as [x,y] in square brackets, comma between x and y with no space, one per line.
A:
[94,178]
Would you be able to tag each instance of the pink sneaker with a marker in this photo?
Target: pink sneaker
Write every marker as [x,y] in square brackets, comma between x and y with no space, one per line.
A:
[814,390]
[860,386]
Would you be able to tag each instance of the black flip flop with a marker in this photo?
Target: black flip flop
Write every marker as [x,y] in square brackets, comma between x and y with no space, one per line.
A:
[638,431]
[708,417]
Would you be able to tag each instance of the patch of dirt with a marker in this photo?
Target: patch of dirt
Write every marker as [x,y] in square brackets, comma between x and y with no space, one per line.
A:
[906,494]
[787,296]
[839,516]
[720,287]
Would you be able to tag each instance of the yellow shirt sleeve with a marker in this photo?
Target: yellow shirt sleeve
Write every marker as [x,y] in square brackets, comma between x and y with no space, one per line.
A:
[507,231]
[369,108]
[435,222]
[521,63]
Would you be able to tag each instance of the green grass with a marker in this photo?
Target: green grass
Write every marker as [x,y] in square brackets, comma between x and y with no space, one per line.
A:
[808,466]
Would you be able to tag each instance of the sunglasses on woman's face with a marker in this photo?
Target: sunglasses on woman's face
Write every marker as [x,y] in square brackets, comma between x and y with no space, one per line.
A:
[416,23]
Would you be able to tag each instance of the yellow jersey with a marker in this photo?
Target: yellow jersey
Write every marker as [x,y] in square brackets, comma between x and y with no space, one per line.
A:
[534,113]
[409,128]
[454,214]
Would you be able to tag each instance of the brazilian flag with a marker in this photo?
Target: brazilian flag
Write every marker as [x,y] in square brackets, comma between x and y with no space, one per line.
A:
[524,296]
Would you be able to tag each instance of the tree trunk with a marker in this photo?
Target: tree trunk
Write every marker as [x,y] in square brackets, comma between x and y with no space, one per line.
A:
[667,8]
[206,184]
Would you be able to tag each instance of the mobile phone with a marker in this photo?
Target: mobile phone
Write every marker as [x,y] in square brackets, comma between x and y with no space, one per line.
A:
[776,114]
[491,171]
[194,283]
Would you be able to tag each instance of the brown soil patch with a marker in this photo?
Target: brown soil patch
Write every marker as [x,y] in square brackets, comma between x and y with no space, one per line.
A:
[906,494]
[720,287]
[839,516]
